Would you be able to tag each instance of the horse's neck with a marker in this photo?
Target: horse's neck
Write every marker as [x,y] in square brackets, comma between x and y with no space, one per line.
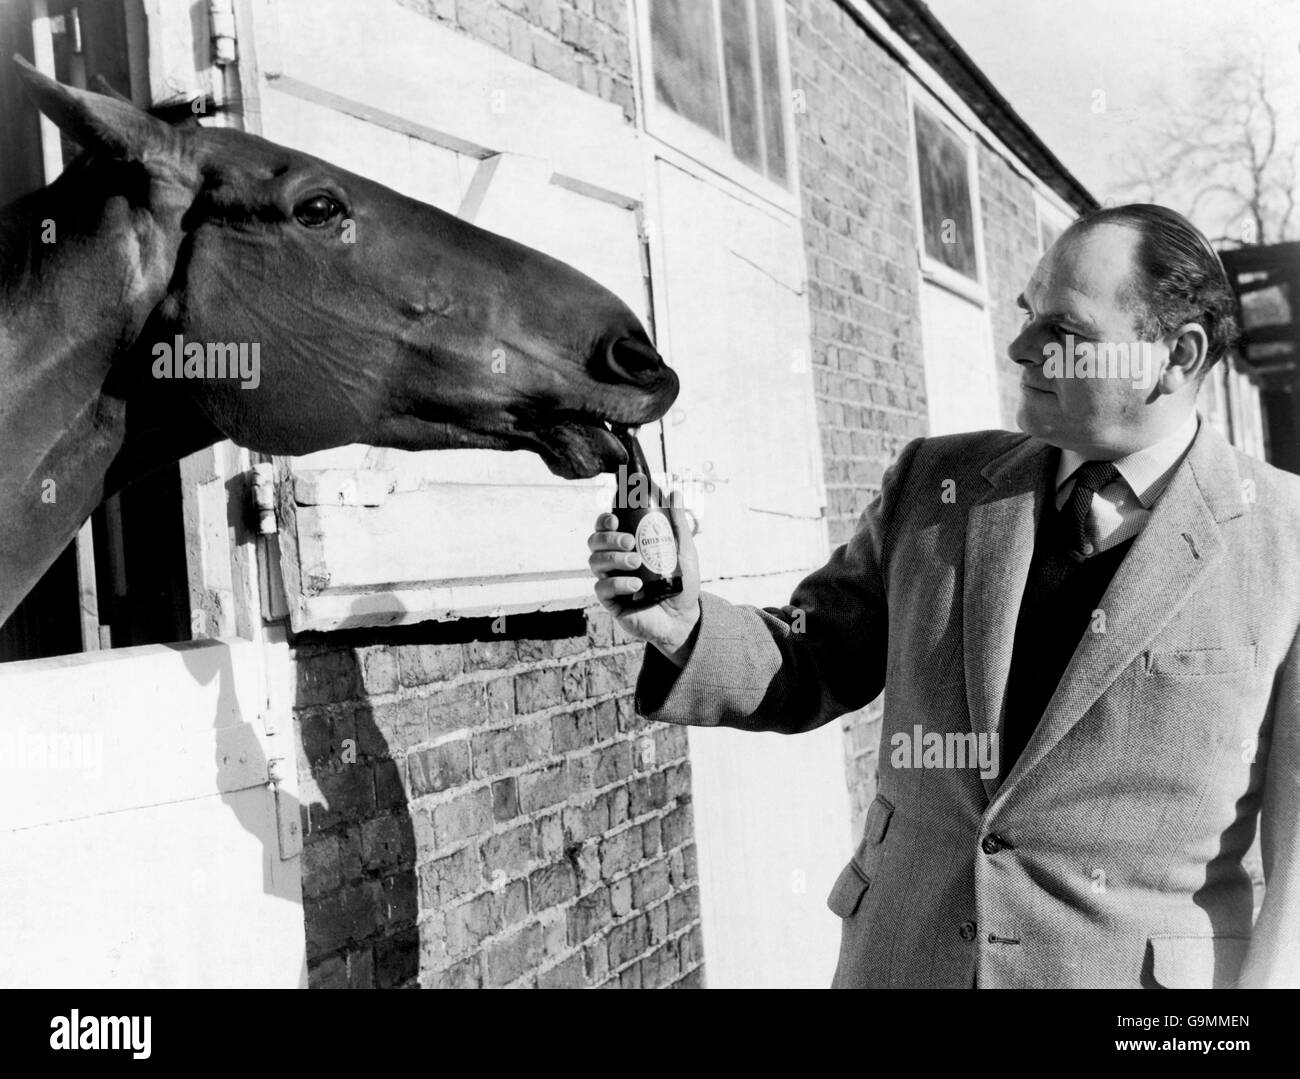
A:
[61,325]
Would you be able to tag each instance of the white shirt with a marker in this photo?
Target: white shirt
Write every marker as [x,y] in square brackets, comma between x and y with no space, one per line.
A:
[1121,508]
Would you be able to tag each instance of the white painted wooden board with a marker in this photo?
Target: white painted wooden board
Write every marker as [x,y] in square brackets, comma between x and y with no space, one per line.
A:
[773,829]
[960,375]
[385,536]
[734,323]
[138,832]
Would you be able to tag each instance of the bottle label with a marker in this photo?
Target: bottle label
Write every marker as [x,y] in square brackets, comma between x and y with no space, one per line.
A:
[656,543]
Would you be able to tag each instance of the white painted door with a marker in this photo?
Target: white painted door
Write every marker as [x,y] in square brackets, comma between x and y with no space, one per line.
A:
[771,812]
[142,842]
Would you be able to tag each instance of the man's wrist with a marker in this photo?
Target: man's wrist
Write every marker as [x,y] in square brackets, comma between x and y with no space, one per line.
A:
[677,649]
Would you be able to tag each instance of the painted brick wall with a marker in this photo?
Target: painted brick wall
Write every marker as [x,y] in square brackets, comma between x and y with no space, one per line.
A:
[491,813]
[1011,251]
[584,42]
[860,241]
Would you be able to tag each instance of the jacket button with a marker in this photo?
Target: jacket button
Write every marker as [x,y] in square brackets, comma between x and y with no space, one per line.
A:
[992,844]
[967,931]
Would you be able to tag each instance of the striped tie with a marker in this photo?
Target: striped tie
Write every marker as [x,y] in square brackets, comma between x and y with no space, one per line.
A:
[1090,478]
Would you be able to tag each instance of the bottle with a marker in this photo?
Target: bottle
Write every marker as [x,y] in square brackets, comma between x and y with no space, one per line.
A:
[638,505]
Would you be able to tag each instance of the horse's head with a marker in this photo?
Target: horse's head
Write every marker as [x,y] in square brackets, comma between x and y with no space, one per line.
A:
[376,318]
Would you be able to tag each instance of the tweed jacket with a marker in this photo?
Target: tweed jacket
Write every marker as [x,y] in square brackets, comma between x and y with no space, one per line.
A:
[1111,854]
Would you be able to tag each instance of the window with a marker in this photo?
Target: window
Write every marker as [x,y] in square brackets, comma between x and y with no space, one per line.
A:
[718,65]
[947,217]
[1051,222]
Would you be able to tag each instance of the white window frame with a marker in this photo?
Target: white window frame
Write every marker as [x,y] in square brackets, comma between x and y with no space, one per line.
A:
[932,270]
[702,146]
[1049,213]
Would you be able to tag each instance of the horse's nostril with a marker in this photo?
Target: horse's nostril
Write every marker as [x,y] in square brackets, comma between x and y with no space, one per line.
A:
[633,361]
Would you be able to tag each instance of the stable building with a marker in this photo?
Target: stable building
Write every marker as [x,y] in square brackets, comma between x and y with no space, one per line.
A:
[352,718]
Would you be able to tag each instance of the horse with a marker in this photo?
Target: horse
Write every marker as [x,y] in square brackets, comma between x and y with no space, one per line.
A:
[374,319]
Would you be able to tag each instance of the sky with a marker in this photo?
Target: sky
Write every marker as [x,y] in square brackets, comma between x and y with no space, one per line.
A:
[1050,57]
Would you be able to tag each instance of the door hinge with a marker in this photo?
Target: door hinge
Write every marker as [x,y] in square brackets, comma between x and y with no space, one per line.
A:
[263,488]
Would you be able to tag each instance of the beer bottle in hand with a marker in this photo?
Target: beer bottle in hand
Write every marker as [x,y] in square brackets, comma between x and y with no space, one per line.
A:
[638,505]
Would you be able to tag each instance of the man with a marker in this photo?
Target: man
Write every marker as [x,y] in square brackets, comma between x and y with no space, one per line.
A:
[1110,600]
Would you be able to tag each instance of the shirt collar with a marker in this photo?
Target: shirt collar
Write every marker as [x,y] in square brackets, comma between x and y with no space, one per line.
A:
[1147,471]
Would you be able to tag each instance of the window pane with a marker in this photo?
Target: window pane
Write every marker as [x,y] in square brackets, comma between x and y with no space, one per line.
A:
[686,61]
[742,101]
[945,195]
[773,105]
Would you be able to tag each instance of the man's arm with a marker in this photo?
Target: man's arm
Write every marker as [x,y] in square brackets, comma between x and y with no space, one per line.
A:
[1273,959]
[792,668]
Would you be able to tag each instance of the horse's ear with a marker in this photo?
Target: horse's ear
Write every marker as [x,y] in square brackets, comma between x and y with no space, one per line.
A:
[97,123]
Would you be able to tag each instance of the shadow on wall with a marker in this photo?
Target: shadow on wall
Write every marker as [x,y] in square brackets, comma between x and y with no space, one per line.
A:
[362,842]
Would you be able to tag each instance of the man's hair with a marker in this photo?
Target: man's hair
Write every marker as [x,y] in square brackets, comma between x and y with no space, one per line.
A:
[1178,276]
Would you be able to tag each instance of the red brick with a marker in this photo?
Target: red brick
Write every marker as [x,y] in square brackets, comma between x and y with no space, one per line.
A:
[326,677]
[542,788]
[677,827]
[512,958]
[627,941]
[392,728]
[449,878]
[647,794]
[650,884]
[489,654]
[397,959]
[509,852]
[505,799]
[378,668]
[620,851]
[387,841]
[551,885]
[589,915]
[536,690]
[455,707]
[567,975]
[421,664]
[504,750]
[466,815]
[436,769]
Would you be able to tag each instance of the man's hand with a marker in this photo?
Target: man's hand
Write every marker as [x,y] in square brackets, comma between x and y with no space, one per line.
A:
[669,623]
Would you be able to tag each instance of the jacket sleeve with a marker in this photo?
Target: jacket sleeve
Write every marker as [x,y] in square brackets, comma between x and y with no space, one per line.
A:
[793,668]
[1273,959]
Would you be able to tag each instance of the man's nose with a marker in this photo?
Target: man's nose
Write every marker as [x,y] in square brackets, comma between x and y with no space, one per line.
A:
[1023,349]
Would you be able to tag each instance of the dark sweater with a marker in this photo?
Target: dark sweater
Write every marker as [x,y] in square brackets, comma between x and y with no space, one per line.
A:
[1060,597]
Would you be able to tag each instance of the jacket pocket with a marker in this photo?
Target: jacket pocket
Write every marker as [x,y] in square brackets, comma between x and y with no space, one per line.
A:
[854,879]
[850,887]
[1197,962]
[1202,662]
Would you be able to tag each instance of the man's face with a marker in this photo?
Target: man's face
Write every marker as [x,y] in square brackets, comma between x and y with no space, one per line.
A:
[1078,289]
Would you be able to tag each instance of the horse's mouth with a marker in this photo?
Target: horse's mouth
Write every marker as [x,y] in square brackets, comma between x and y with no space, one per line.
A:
[577,449]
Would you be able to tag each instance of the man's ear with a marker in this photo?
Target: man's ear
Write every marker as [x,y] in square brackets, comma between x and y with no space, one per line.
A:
[99,124]
[1188,352]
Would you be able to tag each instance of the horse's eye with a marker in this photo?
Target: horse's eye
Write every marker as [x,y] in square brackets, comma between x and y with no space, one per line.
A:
[317,211]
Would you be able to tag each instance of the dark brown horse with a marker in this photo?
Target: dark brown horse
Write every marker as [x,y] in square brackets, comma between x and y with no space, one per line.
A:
[376,319]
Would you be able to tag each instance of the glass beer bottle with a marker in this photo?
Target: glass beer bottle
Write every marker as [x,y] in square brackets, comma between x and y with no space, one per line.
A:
[638,505]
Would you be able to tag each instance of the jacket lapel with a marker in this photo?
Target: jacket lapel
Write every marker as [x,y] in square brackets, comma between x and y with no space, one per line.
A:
[1181,542]
[999,546]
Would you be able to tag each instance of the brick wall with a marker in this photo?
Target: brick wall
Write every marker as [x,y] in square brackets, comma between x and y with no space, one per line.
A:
[1010,251]
[491,813]
[584,42]
[860,240]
